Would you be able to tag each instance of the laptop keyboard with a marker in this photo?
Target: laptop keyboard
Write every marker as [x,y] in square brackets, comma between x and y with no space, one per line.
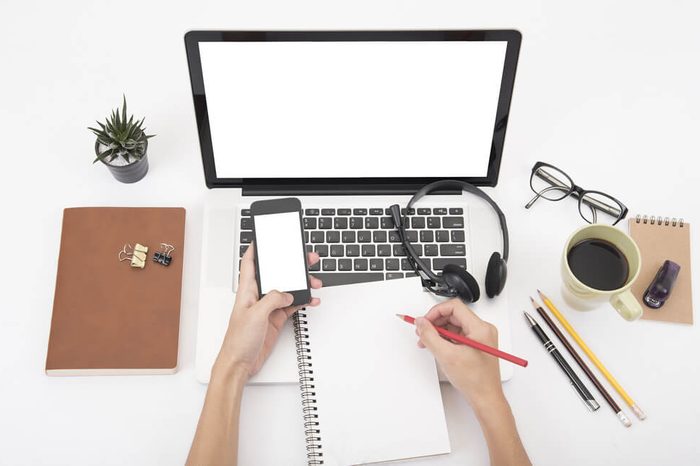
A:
[361,245]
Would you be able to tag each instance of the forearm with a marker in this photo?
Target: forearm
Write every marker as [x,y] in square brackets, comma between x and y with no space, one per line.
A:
[502,438]
[216,439]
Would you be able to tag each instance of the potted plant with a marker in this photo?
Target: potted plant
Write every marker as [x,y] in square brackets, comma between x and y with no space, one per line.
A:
[121,145]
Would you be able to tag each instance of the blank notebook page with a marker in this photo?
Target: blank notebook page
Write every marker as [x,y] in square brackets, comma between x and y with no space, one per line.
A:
[377,393]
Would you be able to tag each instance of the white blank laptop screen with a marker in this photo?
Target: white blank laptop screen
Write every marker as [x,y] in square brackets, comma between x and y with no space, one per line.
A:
[352,109]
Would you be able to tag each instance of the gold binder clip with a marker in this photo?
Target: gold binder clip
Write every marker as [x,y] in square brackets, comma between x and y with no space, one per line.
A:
[136,254]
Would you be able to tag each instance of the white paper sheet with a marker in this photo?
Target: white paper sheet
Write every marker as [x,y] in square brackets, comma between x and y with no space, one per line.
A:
[377,393]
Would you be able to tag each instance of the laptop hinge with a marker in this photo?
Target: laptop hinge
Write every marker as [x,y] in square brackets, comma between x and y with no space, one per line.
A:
[335,190]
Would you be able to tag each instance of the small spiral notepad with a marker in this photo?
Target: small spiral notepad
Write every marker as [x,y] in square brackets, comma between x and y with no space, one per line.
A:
[369,394]
[661,238]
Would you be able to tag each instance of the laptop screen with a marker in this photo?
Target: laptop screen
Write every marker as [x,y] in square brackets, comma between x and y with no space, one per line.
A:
[356,109]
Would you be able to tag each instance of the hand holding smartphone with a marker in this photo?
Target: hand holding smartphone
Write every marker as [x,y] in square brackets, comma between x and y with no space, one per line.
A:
[280,252]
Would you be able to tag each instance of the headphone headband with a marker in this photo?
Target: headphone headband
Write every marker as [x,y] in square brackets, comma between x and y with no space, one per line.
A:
[464,186]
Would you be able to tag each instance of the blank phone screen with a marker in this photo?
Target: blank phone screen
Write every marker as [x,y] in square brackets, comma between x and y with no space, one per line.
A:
[280,249]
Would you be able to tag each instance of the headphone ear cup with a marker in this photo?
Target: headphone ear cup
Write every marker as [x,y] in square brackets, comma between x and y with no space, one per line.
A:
[461,282]
[496,274]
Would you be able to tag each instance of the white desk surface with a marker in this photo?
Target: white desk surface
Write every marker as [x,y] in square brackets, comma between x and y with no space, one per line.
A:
[607,90]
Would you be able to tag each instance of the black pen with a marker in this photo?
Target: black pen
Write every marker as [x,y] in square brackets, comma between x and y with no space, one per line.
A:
[580,388]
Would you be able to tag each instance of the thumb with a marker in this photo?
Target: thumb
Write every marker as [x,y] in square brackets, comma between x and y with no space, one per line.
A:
[431,338]
[274,300]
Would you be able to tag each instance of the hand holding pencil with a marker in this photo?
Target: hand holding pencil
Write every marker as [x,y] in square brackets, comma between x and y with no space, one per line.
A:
[474,373]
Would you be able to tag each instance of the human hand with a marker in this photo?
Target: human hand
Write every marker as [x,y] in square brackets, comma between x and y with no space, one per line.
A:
[474,373]
[256,323]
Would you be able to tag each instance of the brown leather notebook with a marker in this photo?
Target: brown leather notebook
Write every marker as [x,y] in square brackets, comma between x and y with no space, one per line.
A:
[110,317]
[660,239]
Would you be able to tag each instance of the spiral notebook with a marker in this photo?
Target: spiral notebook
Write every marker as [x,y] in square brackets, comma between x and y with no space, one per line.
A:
[661,238]
[369,394]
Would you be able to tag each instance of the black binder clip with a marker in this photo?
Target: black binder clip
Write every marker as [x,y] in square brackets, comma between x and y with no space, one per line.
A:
[163,257]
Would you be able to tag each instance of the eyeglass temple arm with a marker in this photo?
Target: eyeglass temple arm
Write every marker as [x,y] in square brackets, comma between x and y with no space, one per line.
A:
[556,183]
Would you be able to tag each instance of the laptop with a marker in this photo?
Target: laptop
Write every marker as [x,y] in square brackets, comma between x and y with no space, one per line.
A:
[349,122]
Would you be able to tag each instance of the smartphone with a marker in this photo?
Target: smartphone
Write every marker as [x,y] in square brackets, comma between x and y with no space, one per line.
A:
[280,252]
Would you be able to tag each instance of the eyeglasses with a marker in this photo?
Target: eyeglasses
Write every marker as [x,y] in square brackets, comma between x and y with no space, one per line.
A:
[549,182]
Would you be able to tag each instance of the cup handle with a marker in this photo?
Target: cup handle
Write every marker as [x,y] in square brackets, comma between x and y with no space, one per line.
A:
[626,305]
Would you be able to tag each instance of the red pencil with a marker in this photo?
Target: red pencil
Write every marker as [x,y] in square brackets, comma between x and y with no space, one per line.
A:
[472,343]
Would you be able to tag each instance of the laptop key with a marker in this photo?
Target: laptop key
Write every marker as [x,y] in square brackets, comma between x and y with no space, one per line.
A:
[426,236]
[394,237]
[431,250]
[379,236]
[359,211]
[453,250]
[327,211]
[306,236]
[453,222]
[321,250]
[392,264]
[457,236]
[456,211]
[309,223]
[376,211]
[348,237]
[344,212]
[368,250]
[242,250]
[439,264]
[245,212]
[433,222]
[317,237]
[340,223]
[418,248]
[325,223]
[311,212]
[406,265]
[328,265]
[393,275]
[356,223]
[424,211]
[347,278]
[246,237]
[412,235]
[344,265]
[247,223]
[399,250]
[439,211]
[418,222]
[332,237]
[360,264]
[376,264]
[384,250]
[337,250]
[442,236]
[364,236]
[309,248]
[316,267]
[371,223]
[386,223]
[352,250]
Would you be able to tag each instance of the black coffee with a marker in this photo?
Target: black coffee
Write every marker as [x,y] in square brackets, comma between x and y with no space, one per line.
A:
[598,264]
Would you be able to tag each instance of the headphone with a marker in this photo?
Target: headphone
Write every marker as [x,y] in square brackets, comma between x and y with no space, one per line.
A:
[455,281]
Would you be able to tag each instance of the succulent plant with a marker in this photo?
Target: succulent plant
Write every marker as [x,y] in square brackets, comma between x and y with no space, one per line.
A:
[120,137]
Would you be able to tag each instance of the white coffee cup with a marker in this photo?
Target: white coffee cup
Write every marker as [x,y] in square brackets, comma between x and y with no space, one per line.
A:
[583,297]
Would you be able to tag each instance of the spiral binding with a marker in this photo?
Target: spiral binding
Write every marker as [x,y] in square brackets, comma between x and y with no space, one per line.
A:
[312,430]
[665,221]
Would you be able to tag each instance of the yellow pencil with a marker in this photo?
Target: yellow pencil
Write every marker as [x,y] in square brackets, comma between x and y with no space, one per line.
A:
[565,323]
